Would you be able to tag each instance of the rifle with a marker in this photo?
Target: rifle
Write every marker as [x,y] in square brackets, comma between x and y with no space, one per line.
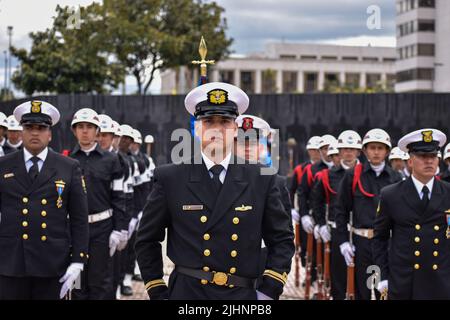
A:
[319,269]
[350,294]
[326,264]
[298,251]
[309,257]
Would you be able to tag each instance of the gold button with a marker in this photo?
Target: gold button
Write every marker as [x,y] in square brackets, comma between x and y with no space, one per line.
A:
[25,200]
[44,202]
[436,241]
[417,253]
[87,256]
[25,211]
[204,281]
[44,225]
[24,236]
[44,213]
[206,236]
[233,270]
[435,266]
[417,266]
[206,269]
[230,286]
[417,226]
[233,253]
[25,224]
[206,252]
[234,237]
[204,219]
[44,238]
[417,239]
[81,254]
[435,253]
[436,228]
[235,220]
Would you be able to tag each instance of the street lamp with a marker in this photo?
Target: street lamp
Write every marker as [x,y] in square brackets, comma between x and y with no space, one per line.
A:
[10,33]
[6,69]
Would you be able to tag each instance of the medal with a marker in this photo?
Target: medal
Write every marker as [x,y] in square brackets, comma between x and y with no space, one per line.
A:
[59,189]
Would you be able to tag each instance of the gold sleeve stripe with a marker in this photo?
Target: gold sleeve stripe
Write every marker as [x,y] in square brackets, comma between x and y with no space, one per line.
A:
[154,283]
[277,276]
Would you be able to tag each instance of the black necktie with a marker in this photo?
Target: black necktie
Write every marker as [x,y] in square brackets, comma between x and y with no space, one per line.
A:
[34,170]
[216,170]
[425,198]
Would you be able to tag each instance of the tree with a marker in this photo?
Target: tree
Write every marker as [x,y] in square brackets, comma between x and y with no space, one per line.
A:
[66,60]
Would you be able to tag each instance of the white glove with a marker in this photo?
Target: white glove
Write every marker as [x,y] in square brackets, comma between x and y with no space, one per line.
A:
[123,240]
[316,232]
[132,226]
[69,278]
[262,296]
[307,224]
[114,241]
[382,286]
[325,233]
[348,251]
[295,215]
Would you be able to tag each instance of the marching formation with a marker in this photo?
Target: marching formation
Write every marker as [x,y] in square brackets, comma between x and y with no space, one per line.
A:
[364,219]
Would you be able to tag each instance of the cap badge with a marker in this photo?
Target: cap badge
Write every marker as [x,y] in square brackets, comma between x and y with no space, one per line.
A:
[247,123]
[427,136]
[218,96]
[36,106]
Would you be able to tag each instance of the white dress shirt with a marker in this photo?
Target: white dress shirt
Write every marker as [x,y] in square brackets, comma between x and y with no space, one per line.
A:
[419,186]
[224,163]
[27,157]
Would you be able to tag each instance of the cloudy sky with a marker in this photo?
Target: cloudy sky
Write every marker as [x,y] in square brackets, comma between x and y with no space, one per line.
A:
[251,23]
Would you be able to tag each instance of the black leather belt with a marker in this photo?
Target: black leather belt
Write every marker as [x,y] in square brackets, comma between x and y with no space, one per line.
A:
[218,278]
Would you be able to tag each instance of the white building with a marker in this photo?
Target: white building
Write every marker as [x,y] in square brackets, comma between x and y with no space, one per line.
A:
[423,46]
[292,67]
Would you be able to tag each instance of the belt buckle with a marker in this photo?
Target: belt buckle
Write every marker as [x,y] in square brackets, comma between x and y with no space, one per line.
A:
[370,233]
[220,278]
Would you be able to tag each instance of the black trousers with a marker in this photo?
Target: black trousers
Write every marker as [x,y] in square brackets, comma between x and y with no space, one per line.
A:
[29,288]
[338,269]
[363,259]
[96,278]
[129,257]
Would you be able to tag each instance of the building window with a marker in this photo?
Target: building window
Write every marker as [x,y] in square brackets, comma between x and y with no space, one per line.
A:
[329,58]
[288,56]
[427,3]
[289,81]
[331,81]
[308,57]
[352,80]
[269,81]
[226,76]
[310,82]
[350,58]
[248,81]
[415,74]
[425,49]
[390,81]
[388,59]
[426,26]
[372,80]
[371,59]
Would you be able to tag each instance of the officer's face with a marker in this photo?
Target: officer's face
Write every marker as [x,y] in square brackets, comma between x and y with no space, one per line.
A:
[124,143]
[2,132]
[86,133]
[424,166]
[336,159]
[249,150]
[105,140]
[349,155]
[36,137]
[14,136]
[217,134]
[135,146]
[323,152]
[376,152]
[314,155]
[397,164]
[115,142]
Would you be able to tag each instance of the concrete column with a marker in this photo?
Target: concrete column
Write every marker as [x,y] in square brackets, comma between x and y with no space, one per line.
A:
[258,81]
[237,78]
[300,79]
[215,75]
[321,80]
[362,80]
[279,81]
